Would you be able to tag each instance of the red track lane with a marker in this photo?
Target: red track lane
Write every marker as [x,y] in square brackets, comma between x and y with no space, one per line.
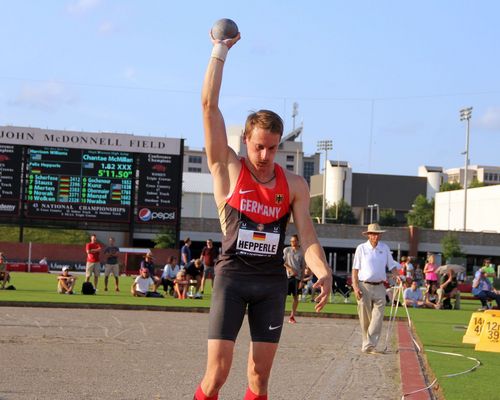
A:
[411,372]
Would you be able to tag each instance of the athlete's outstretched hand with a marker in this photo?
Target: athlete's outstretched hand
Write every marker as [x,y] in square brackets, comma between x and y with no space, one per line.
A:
[325,284]
[228,42]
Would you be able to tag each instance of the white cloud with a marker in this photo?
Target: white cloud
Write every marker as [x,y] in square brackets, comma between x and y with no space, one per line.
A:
[490,120]
[46,96]
[82,6]
[107,27]
[129,73]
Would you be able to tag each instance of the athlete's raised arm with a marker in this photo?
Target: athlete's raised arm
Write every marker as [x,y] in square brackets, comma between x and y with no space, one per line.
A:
[219,154]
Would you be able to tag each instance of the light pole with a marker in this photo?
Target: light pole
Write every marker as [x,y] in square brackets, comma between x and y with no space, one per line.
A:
[295,112]
[371,207]
[465,115]
[324,145]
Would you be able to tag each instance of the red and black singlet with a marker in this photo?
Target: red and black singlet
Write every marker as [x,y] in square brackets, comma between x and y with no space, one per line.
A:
[253,221]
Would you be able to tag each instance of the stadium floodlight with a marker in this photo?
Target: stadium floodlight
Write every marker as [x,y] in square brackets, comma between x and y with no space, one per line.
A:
[465,115]
[324,145]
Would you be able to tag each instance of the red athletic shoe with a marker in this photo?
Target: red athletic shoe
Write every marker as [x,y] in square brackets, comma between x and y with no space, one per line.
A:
[291,320]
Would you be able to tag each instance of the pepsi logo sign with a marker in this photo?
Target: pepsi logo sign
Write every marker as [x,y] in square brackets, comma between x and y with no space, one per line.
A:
[146,215]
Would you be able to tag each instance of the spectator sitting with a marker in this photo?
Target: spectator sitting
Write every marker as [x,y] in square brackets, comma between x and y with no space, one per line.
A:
[143,284]
[413,296]
[448,289]
[483,290]
[65,281]
[431,297]
[390,289]
[169,274]
[181,284]
[489,270]
[4,274]
[308,282]
[194,272]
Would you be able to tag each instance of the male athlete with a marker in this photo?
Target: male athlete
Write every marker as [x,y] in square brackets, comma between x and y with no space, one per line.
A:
[255,198]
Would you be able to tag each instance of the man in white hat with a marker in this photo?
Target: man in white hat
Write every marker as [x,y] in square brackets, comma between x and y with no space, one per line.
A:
[368,276]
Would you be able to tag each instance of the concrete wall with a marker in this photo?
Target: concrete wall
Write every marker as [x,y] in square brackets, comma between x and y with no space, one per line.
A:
[483,211]
[198,205]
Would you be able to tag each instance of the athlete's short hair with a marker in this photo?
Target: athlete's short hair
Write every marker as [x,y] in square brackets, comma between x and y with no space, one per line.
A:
[264,119]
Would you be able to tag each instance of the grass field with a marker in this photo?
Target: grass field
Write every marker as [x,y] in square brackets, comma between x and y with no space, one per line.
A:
[440,330]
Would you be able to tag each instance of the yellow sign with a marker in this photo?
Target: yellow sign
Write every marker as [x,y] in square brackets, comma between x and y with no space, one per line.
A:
[474,328]
[489,339]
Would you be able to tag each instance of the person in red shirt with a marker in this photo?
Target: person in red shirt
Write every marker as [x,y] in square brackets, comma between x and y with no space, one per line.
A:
[209,256]
[93,266]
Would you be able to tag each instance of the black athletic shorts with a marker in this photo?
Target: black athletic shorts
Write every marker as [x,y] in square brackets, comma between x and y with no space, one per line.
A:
[265,298]
[293,286]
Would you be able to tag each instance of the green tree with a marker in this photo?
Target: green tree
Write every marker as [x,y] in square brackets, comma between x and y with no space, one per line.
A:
[165,239]
[451,246]
[475,183]
[315,207]
[344,215]
[388,218]
[422,213]
[448,186]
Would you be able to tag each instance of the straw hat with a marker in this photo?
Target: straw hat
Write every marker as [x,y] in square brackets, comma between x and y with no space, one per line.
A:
[373,228]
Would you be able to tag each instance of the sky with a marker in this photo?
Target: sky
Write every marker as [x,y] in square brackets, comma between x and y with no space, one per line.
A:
[384,80]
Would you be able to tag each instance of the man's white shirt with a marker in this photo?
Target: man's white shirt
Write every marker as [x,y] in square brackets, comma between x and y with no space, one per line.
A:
[373,262]
[143,284]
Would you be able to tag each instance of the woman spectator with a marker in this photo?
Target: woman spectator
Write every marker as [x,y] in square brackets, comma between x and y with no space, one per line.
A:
[431,297]
[430,271]
[181,284]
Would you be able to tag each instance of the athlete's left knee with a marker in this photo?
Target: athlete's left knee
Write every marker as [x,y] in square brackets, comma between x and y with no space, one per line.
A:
[258,378]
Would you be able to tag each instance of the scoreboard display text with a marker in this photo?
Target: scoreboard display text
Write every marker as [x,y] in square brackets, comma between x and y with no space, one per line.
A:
[10,179]
[79,184]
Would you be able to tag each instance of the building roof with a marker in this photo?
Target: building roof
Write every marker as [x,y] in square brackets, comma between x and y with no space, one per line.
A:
[433,169]
[290,137]
[337,163]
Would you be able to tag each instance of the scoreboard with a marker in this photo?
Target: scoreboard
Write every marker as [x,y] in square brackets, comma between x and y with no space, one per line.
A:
[81,184]
[158,187]
[10,179]
[89,177]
